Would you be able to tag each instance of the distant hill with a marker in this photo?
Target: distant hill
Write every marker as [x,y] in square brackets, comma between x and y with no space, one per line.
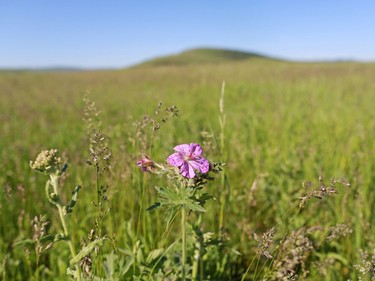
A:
[204,55]
[44,69]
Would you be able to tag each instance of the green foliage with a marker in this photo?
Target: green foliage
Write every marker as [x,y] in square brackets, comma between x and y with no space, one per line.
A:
[179,197]
[69,207]
[86,251]
[285,123]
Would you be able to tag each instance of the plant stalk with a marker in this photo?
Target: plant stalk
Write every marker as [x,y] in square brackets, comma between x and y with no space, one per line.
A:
[55,183]
[222,146]
[248,269]
[195,269]
[183,239]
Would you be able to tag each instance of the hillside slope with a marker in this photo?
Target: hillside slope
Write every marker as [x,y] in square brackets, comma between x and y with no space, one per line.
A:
[204,55]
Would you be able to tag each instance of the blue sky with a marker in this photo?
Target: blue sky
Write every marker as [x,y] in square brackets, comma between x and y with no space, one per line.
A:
[101,34]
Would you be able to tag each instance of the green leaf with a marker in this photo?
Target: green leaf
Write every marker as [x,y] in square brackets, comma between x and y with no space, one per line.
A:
[54,238]
[179,197]
[69,208]
[86,250]
[237,253]
[194,206]
[44,239]
[171,215]
[154,254]
[110,265]
[168,196]
[124,269]
[52,197]
[338,257]
[24,242]
[205,196]
[63,169]
[153,206]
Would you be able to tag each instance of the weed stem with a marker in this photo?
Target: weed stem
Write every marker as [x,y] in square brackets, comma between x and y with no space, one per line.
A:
[55,183]
[183,238]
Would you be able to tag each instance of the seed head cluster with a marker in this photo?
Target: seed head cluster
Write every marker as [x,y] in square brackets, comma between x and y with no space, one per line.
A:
[48,161]
[100,154]
[367,265]
[293,255]
[39,231]
[338,231]
[91,115]
[321,190]
[265,242]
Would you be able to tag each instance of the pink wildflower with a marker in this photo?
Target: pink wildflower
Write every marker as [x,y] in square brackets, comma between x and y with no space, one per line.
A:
[146,164]
[188,159]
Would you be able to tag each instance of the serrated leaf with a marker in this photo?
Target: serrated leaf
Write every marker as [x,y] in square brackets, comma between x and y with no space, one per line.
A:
[205,196]
[194,206]
[168,196]
[175,198]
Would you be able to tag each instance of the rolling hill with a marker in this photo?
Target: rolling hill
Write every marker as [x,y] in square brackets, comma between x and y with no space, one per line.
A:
[205,56]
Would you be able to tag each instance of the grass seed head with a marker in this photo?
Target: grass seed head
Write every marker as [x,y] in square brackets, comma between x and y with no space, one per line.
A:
[39,232]
[265,242]
[293,255]
[321,190]
[338,231]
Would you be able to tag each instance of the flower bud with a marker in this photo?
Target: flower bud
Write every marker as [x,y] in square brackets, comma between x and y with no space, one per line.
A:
[146,164]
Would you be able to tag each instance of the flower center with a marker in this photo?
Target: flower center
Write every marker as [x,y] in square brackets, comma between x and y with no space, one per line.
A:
[188,157]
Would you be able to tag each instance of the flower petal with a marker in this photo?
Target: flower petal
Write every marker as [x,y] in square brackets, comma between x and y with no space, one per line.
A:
[187,171]
[201,164]
[184,149]
[191,172]
[145,163]
[175,159]
[195,150]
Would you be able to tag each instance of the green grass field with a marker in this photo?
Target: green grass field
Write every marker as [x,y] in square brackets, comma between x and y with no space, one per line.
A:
[286,123]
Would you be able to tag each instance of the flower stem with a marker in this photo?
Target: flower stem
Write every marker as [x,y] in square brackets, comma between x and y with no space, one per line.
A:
[183,238]
[222,146]
[195,269]
[55,183]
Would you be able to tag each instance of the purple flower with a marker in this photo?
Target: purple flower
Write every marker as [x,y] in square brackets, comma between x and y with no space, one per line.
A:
[146,164]
[188,159]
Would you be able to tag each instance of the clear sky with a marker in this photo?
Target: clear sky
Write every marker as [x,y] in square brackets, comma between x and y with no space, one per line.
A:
[108,33]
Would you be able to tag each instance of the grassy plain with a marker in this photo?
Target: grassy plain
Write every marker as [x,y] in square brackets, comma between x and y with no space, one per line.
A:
[286,123]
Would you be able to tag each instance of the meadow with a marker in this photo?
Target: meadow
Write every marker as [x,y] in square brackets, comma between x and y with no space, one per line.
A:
[294,201]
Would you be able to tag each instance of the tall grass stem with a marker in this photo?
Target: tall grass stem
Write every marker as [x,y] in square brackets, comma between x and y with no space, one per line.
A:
[222,146]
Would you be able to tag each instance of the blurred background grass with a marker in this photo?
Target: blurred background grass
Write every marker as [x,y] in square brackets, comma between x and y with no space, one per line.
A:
[286,123]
